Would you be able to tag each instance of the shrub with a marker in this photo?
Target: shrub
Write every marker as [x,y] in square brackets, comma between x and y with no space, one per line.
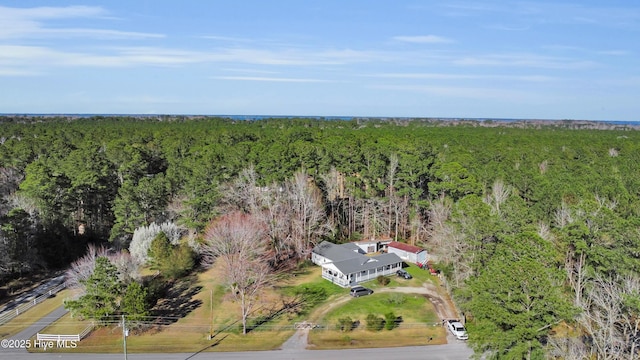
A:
[144,235]
[396,299]
[173,261]
[345,324]
[374,323]
[383,280]
[390,321]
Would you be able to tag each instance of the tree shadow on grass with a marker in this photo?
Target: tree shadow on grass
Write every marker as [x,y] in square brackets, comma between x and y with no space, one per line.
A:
[177,300]
[272,313]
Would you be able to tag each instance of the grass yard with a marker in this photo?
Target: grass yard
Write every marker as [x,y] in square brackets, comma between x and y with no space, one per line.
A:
[419,278]
[211,311]
[418,325]
[414,309]
[206,308]
[360,338]
[32,315]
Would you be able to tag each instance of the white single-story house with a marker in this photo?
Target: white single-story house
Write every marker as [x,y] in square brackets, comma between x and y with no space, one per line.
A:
[327,252]
[346,265]
[408,252]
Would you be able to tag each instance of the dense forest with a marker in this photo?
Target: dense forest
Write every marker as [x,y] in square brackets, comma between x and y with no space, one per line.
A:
[536,225]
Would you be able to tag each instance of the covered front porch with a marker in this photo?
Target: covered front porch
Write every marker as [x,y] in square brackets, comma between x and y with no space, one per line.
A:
[370,274]
[331,273]
[336,277]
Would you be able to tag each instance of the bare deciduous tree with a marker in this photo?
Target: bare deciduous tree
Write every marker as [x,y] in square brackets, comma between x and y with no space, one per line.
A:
[500,192]
[611,317]
[606,202]
[563,216]
[393,200]
[293,212]
[144,235]
[244,193]
[439,212]
[10,179]
[544,231]
[449,244]
[238,242]
[575,266]
[81,269]
[16,200]
[309,222]
[567,348]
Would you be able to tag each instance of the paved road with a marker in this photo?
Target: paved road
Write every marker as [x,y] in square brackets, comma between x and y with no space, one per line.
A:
[32,331]
[294,348]
[32,294]
[454,351]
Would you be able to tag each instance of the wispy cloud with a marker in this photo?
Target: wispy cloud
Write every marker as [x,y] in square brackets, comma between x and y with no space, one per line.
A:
[582,50]
[524,60]
[536,13]
[437,76]
[226,38]
[504,27]
[27,58]
[16,23]
[44,57]
[614,52]
[467,9]
[10,72]
[423,39]
[49,12]
[248,71]
[460,91]
[94,33]
[270,79]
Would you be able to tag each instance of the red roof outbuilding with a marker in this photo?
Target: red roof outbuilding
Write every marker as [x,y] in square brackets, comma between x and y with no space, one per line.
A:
[405,247]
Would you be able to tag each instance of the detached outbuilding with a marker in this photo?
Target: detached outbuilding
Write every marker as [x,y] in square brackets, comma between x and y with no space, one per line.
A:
[408,253]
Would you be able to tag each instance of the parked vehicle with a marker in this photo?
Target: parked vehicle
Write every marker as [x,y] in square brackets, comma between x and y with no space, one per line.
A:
[404,274]
[358,291]
[457,329]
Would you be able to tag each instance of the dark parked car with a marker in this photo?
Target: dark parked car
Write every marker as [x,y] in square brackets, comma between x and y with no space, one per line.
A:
[358,291]
[404,274]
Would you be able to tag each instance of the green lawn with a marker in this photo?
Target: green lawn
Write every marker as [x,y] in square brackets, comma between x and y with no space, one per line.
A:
[419,278]
[313,290]
[316,300]
[412,308]
[360,338]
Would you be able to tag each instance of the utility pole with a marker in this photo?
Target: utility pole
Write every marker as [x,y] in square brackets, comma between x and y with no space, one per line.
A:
[125,332]
[211,314]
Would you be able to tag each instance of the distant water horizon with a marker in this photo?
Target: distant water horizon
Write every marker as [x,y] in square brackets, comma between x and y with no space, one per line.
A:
[319,117]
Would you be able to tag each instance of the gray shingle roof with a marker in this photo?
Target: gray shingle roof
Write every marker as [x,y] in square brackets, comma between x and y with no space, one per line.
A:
[336,252]
[364,263]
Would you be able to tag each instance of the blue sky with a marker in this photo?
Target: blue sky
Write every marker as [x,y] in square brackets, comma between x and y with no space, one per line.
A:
[500,59]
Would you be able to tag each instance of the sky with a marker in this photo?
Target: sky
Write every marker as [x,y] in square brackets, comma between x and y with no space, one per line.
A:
[400,58]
